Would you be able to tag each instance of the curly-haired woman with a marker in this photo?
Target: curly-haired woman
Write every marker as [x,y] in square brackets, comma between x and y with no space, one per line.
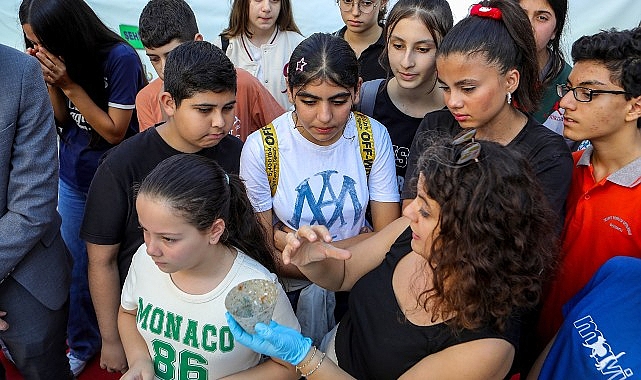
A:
[438,293]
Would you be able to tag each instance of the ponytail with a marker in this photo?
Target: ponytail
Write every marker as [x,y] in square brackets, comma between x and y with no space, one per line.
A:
[511,46]
[200,190]
[245,230]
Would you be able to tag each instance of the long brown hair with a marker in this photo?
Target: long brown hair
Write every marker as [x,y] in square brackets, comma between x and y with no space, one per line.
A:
[496,245]
[239,19]
[436,15]
[71,29]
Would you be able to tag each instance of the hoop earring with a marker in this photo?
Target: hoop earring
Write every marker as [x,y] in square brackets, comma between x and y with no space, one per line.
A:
[509,98]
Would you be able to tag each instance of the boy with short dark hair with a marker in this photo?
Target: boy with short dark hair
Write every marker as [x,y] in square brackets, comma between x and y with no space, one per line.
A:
[602,103]
[199,101]
[165,24]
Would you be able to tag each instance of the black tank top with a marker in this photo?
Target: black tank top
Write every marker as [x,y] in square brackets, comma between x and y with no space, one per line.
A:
[375,341]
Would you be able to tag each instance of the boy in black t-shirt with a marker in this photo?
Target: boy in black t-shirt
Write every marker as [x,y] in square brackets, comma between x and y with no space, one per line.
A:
[199,100]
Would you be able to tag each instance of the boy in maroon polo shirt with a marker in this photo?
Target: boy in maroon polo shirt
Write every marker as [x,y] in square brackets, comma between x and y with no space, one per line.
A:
[602,102]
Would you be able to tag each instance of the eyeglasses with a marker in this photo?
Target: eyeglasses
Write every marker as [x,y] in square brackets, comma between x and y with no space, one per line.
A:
[471,151]
[583,94]
[365,6]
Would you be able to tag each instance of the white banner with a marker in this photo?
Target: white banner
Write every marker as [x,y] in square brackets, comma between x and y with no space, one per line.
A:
[584,17]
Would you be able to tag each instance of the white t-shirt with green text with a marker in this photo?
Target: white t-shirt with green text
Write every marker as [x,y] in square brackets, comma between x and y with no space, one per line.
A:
[187,335]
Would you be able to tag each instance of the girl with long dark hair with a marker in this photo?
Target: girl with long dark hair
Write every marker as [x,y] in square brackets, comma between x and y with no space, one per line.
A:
[327,172]
[202,238]
[93,77]
[414,30]
[492,84]
[548,20]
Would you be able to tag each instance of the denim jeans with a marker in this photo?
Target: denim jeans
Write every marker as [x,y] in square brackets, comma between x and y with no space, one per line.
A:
[83,335]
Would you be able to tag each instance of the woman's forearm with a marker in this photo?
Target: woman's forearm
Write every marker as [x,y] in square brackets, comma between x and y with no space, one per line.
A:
[267,370]
[317,366]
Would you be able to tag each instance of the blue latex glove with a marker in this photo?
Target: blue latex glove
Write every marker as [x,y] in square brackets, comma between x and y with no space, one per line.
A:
[274,340]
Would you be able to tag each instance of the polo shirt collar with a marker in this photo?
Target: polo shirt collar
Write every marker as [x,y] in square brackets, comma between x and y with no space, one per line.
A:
[627,176]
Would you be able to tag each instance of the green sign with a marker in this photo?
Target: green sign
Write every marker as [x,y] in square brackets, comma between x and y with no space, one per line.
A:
[130,34]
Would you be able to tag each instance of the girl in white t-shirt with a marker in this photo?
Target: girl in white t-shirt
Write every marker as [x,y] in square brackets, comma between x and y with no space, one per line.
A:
[260,38]
[202,238]
[321,166]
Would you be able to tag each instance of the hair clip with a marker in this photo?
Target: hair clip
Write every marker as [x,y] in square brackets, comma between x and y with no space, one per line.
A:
[300,65]
[472,148]
[489,12]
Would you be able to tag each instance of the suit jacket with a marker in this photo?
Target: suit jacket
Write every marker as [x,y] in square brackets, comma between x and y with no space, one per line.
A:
[31,248]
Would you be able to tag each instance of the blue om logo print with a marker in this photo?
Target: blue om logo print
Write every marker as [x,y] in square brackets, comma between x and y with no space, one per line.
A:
[327,198]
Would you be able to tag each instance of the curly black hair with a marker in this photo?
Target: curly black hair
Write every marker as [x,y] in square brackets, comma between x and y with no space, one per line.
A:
[497,244]
[619,51]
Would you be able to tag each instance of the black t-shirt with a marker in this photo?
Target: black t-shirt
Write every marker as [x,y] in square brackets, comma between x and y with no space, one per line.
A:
[546,151]
[368,65]
[375,341]
[401,128]
[110,213]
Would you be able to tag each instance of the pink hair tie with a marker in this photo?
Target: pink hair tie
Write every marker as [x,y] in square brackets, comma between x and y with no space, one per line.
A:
[489,12]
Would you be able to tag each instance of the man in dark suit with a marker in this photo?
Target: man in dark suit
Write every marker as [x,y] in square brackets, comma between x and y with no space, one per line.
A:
[34,262]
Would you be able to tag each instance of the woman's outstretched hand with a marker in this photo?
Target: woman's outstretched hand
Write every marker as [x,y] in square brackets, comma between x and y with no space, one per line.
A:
[274,340]
[311,244]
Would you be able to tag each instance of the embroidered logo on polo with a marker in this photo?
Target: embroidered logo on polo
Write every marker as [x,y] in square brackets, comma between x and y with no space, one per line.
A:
[618,224]
[326,201]
[606,361]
